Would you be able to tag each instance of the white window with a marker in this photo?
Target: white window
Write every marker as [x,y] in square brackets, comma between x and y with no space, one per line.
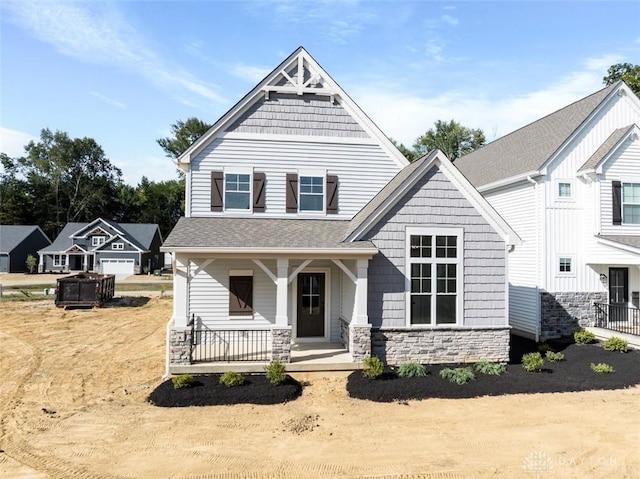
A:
[565,190]
[97,240]
[311,193]
[117,245]
[237,191]
[631,203]
[565,265]
[434,274]
[59,260]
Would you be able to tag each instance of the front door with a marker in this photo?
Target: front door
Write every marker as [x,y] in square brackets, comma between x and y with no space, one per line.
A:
[311,302]
[618,293]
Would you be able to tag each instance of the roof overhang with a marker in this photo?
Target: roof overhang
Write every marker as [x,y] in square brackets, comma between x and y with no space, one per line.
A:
[345,253]
[496,185]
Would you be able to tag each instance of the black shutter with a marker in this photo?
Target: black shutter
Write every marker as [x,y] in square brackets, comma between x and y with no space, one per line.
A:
[292,193]
[332,194]
[258,192]
[240,295]
[616,189]
[217,179]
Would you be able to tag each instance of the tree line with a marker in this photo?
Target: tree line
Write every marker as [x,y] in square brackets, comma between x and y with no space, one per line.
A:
[61,179]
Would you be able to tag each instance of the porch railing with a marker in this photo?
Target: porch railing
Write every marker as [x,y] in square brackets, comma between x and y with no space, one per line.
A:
[617,318]
[216,345]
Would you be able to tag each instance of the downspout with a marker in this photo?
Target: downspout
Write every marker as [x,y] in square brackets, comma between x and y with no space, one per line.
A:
[539,307]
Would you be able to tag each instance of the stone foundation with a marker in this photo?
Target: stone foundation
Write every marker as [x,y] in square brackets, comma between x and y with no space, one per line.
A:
[281,344]
[359,341]
[180,343]
[441,345]
[562,313]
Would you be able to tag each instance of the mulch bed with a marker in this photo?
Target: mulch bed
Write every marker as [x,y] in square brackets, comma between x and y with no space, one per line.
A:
[572,374]
[207,391]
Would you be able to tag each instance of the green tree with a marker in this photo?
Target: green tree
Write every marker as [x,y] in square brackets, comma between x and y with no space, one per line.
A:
[184,134]
[408,154]
[626,72]
[161,203]
[453,139]
[31,263]
[16,202]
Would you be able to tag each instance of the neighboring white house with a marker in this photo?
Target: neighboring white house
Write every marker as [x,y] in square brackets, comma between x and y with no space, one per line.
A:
[569,185]
[304,223]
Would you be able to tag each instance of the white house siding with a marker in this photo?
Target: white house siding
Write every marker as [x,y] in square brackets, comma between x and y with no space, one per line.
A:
[518,205]
[209,294]
[357,184]
[291,114]
[435,202]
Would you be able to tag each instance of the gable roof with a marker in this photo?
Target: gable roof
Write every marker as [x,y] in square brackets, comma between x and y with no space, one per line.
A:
[608,147]
[310,78]
[380,204]
[87,228]
[139,234]
[249,235]
[12,235]
[526,150]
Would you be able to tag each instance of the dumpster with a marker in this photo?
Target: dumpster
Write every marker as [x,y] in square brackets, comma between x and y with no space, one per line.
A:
[85,289]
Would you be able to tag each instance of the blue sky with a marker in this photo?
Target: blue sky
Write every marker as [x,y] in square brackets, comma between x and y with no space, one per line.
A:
[123,72]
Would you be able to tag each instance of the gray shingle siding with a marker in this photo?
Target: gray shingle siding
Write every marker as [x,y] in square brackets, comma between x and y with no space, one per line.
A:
[290,114]
[435,202]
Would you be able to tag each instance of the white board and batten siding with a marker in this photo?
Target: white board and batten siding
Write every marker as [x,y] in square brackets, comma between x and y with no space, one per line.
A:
[518,205]
[362,170]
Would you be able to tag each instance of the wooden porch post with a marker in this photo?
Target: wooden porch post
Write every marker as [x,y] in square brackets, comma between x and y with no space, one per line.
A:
[282,285]
[361,315]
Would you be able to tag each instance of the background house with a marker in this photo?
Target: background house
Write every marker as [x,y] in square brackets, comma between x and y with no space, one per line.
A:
[104,246]
[16,243]
[569,184]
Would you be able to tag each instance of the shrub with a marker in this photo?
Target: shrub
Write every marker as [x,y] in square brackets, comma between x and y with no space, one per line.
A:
[544,347]
[615,343]
[582,336]
[276,372]
[231,379]
[182,381]
[532,362]
[457,375]
[493,369]
[412,369]
[554,357]
[372,367]
[602,368]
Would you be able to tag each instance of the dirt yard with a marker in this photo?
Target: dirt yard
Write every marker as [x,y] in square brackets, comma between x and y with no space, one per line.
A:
[72,405]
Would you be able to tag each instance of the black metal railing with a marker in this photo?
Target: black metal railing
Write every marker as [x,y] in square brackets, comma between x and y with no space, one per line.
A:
[617,318]
[216,345]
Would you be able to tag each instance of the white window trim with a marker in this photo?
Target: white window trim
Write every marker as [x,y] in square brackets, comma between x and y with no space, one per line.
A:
[117,246]
[572,186]
[458,261]
[634,181]
[327,306]
[565,274]
[237,171]
[57,260]
[317,174]
[95,242]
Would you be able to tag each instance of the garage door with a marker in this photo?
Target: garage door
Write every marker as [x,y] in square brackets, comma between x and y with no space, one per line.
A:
[119,267]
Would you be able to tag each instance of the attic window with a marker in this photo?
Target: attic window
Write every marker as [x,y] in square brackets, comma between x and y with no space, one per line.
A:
[117,246]
[98,240]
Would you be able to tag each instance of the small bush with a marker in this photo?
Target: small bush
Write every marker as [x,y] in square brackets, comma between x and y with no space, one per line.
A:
[544,347]
[554,357]
[532,362]
[457,375]
[492,369]
[276,372]
[182,381]
[615,343]
[412,369]
[582,336]
[372,367]
[231,379]
[602,368]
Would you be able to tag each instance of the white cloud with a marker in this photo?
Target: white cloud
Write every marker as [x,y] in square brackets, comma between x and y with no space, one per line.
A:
[453,21]
[12,142]
[107,100]
[155,168]
[251,73]
[405,115]
[95,32]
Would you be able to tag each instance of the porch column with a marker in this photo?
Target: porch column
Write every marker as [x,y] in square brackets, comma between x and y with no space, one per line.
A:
[41,264]
[361,316]
[282,287]
[180,286]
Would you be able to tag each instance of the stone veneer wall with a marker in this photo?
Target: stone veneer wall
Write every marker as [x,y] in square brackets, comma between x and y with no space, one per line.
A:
[441,345]
[359,341]
[180,343]
[562,313]
[281,344]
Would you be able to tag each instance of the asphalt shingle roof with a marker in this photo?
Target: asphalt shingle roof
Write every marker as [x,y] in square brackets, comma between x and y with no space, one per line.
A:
[605,148]
[633,241]
[261,233]
[12,235]
[528,148]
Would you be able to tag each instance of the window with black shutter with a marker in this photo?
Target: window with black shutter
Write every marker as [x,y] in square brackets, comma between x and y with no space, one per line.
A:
[259,180]
[292,193]
[332,194]
[217,188]
[240,295]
